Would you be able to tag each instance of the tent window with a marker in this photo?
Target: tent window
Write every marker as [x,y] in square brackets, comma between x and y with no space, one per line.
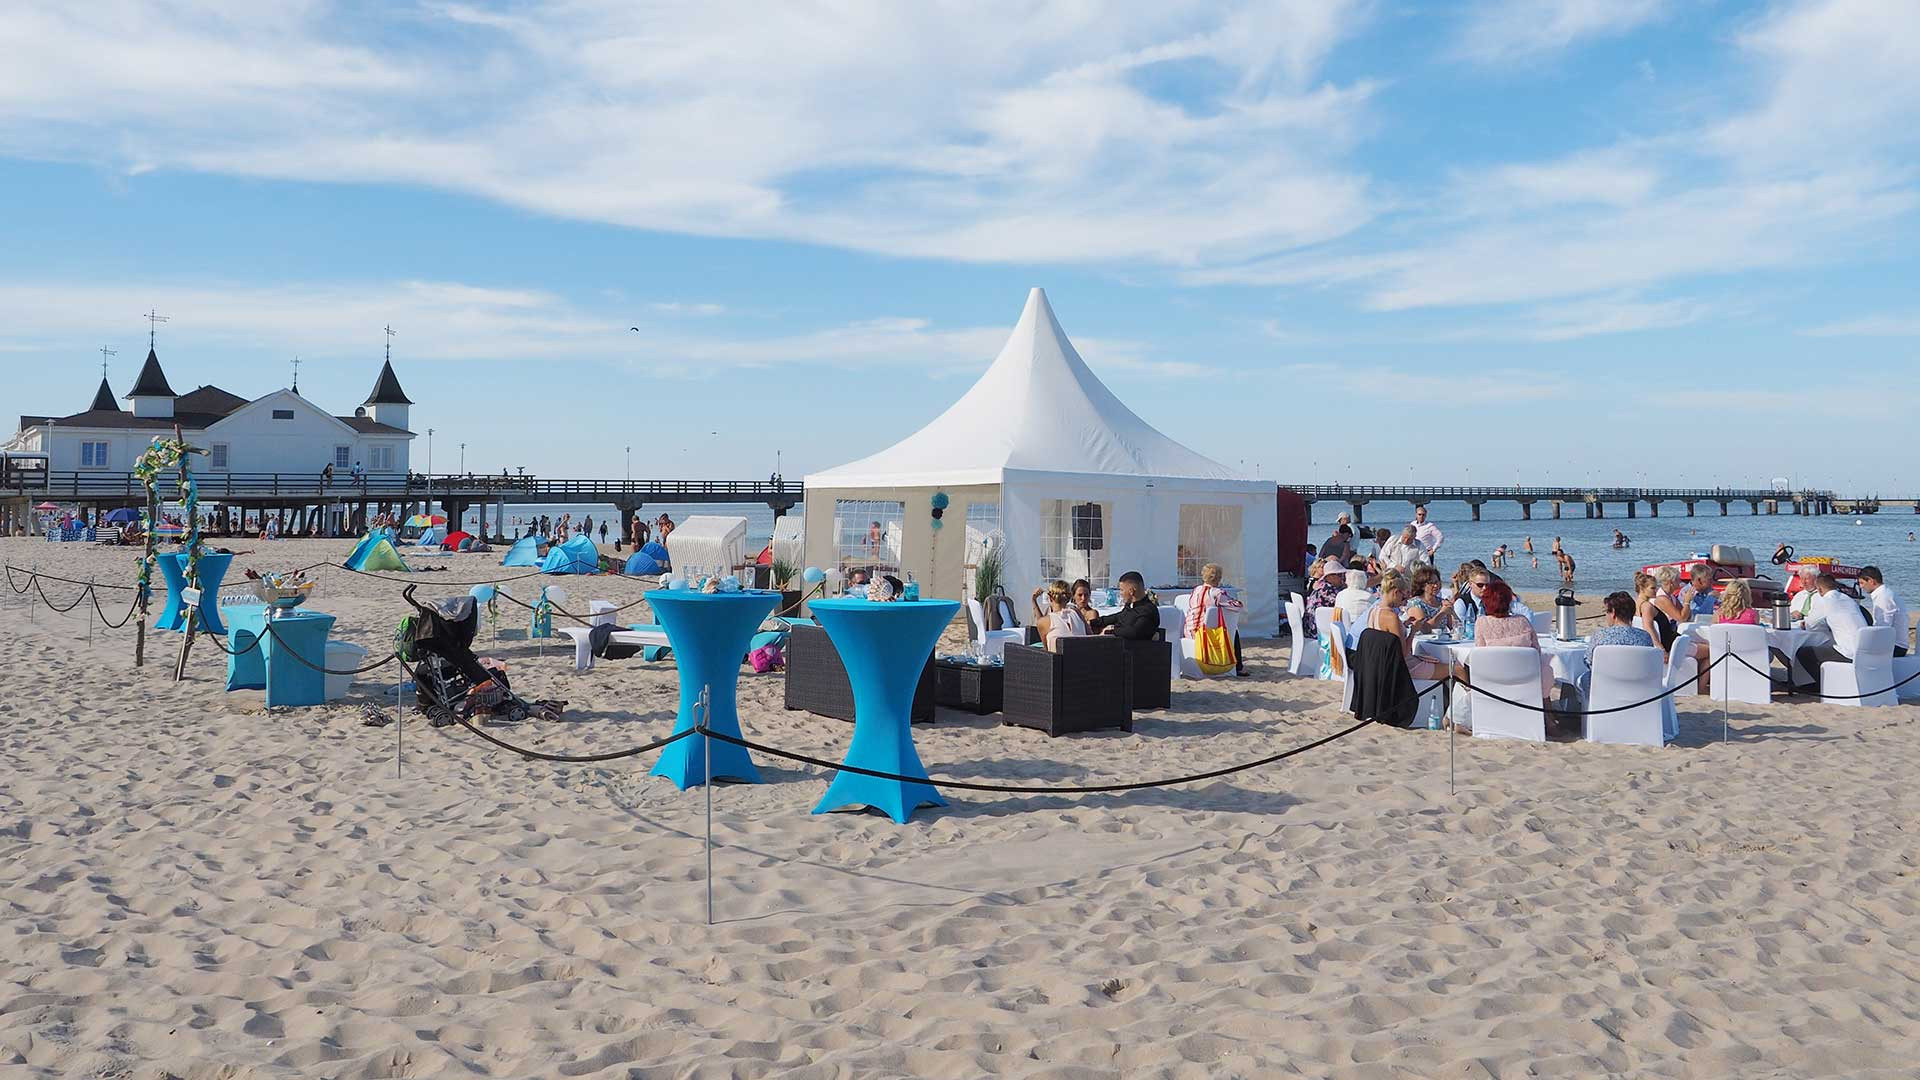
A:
[1073,541]
[1208,534]
[983,535]
[867,534]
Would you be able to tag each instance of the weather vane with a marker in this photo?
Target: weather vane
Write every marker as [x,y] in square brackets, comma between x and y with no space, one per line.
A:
[296,373]
[154,319]
[389,330]
[104,353]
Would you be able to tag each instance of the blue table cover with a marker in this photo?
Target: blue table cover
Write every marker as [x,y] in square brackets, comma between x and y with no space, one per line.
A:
[286,680]
[884,647]
[213,569]
[709,633]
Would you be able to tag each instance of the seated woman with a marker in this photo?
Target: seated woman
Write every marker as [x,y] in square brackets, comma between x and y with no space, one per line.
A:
[1659,614]
[1060,620]
[1497,626]
[1736,607]
[1083,601]
[1384,666]
[1426,612]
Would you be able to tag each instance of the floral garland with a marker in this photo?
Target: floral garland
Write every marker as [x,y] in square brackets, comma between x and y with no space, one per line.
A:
[161,455]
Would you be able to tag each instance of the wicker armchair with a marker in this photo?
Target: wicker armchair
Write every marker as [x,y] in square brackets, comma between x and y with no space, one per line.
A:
[1083,687]
[817,680]
[1152,681]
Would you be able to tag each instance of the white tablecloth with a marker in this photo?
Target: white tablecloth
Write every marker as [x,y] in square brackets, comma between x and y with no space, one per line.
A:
[1569,657]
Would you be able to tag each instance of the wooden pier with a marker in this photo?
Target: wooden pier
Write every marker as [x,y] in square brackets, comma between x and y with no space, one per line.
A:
[1593,502]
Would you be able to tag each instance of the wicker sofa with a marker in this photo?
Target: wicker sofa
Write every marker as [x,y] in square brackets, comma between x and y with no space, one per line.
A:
[817,680]
[1083,687]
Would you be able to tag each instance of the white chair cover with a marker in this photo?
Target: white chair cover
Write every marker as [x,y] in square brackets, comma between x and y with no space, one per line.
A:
[1542,622]
[1907,668]
[1333,658]
[1681,669]
[1747,682]
[1870,673]
[1512,672]
[993,643]
[1306,650]
[1624,675]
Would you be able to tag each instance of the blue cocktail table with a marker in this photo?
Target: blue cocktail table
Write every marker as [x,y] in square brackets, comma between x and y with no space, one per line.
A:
[884,647]
[268,667]
[709,633]
[173,567]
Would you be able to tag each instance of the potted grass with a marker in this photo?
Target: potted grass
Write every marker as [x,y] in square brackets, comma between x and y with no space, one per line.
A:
[782,575]
[988,577]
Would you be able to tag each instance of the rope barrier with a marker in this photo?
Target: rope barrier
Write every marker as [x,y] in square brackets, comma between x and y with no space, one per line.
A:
[576,759]
[1768,675]
[406,581]
[50,577]
[84,593]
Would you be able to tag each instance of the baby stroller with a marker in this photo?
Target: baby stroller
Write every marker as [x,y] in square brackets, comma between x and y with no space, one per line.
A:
[451,682]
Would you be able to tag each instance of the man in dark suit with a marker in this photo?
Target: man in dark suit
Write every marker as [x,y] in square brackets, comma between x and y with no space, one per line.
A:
[1138,617]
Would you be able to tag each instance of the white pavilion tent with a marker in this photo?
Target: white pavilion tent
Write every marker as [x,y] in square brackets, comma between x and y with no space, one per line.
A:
[1040,450]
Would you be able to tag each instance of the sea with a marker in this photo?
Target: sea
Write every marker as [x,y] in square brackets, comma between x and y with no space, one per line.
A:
[1879,539]
[1885,539]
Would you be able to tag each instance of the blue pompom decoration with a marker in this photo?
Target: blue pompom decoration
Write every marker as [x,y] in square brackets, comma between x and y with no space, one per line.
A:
[813,575]
[938,524]
[940,500]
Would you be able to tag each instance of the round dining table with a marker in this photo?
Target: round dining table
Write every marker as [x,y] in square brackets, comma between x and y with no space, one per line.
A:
[1569,657]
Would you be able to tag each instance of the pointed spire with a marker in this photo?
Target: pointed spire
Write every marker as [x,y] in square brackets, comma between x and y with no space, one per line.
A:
[152,382]
[103,400]
[386,389]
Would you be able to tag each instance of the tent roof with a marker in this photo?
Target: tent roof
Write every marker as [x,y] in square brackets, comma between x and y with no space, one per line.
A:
[1038,408]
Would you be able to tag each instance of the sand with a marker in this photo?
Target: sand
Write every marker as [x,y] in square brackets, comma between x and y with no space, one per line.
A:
[191,886]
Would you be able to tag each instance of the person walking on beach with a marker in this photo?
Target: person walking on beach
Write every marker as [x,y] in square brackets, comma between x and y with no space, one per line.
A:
[603,532]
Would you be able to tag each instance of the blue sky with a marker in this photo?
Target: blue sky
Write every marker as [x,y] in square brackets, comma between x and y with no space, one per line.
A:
[1335,240]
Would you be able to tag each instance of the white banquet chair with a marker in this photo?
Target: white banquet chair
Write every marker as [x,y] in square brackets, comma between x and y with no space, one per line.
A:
[1306,650]
[1624,675]
[1681,670]
[1907,668]
[1512,672]
[1750,682]
[1870,673]
[993,643]
[1332,656]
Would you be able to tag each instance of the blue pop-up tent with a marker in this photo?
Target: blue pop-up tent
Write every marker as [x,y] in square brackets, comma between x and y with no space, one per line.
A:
[376,552]
[526,552]
[650,559]
[577,556]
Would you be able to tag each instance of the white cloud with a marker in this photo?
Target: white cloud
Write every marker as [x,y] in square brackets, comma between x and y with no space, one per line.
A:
[450,321]
[992,131]
[1869,326]
[1400,385]
[1499,31]
[677,307]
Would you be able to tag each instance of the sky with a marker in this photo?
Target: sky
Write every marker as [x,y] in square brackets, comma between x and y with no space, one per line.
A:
[1337,241]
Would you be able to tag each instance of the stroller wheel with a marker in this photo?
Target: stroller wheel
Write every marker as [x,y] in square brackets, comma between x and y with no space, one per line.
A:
[439,716]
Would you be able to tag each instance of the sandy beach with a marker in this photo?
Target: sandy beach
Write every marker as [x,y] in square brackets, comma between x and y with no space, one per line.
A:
[195,887]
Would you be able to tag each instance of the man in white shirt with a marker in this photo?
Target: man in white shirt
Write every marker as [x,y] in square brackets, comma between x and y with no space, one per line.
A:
[1427,532]
[1886,608]
[1803,600]
[1354,602]
[1837,612]
[1404,552]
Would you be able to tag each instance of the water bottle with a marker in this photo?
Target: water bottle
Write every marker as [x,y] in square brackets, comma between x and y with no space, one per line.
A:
[1433,715]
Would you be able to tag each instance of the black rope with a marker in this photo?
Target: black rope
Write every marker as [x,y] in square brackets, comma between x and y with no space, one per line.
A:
[1076,789]
[1593,712]
[576,759]
[291,651]
[50,577]
[1815,693]
[132,610]
[84,593]
[416,581]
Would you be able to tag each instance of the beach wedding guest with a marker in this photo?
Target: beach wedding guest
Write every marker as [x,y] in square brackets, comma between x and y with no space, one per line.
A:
[1837,612]
[1618,629]
[1426,612]
[1399,598]
[1803,600]
[1339,542]
[1697,597]
[1403,552]
[1886,608]
[1659,615]
[1381,538]
[1059,619]
[1353,602]
[1735,607]
[1083,600]
[1139,616]
[1427,532]
[1323,594]
[1210,597]
[1384,665]
[1468,583]
[1498,625]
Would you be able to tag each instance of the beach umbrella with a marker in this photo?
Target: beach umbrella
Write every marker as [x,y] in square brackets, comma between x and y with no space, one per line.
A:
[44,507]
[426,521]
[123,516]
